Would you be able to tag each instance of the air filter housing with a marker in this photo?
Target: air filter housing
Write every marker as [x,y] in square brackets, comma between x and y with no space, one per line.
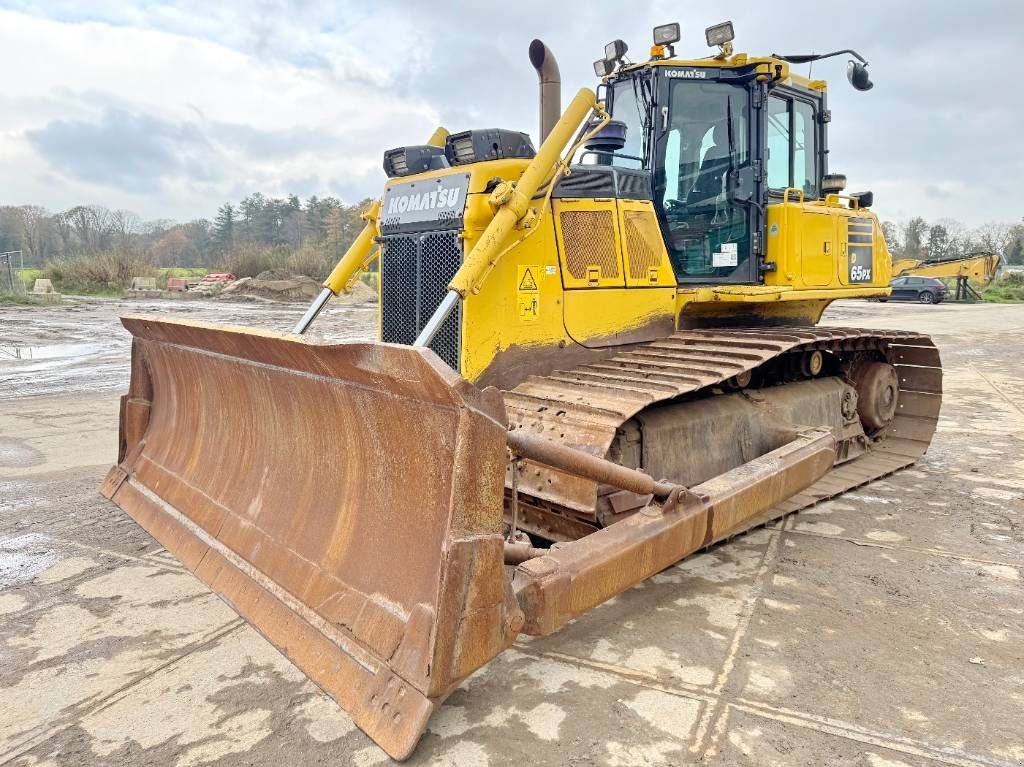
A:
[489,144]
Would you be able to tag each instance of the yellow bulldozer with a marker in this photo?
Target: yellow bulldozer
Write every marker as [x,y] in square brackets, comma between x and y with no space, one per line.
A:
[595,358]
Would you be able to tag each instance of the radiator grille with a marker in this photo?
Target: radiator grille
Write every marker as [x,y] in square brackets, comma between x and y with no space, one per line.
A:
[415,270]
[589,239]
[643,243]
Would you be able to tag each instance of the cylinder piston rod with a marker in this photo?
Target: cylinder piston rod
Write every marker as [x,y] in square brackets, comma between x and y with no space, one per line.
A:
[589,466]
[451,300]
[313,311]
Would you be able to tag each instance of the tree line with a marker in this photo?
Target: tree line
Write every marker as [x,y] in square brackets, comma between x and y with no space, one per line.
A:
[948,238]
[309,236]
[321,228]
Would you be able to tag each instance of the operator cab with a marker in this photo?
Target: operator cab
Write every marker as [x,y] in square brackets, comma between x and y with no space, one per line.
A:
[722,138]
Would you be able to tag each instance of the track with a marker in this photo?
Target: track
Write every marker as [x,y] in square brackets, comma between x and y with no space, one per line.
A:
[583,407]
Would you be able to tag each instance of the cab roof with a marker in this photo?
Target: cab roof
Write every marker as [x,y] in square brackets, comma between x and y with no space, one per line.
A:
[778,69]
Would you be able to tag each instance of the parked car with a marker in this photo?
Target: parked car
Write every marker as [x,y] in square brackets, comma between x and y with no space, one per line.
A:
[926,290]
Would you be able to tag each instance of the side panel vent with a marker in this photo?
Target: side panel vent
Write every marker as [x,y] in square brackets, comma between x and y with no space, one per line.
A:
[643,245]
[590,251]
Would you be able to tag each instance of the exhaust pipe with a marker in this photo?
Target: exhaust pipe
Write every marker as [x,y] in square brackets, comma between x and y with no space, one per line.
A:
[543,61]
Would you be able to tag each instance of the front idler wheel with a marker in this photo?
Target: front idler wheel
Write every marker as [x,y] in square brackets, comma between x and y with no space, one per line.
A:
[878,386]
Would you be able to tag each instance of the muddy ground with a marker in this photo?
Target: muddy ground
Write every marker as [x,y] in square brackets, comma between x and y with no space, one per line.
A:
[884,628]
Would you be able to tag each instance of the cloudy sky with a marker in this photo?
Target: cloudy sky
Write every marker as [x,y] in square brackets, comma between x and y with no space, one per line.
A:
[171,109]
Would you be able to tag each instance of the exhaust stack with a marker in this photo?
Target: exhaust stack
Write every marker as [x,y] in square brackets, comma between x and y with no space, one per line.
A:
[550,80]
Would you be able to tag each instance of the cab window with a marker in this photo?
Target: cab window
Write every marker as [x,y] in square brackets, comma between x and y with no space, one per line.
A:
[792,145]
[628,107]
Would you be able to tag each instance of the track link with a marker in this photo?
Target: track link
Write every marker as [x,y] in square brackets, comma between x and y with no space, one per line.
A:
[584,406]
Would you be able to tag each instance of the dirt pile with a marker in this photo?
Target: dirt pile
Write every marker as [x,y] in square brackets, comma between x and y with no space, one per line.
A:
[280,285]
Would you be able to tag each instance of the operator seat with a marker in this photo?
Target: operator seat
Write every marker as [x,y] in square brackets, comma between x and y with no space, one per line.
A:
[711,176]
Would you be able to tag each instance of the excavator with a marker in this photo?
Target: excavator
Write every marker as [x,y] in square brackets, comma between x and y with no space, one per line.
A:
[981,268]
[595,358]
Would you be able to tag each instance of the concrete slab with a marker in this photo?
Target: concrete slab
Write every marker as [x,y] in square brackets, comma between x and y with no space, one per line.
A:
[884,628]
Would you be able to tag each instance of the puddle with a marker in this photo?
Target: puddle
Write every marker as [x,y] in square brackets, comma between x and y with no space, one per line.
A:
[22,558]
[47,352]
[17,455]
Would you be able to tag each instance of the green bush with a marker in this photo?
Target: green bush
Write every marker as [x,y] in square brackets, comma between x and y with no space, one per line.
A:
[311,260]
[29,275]
[1013,279]
[250,260]
[102,273]
[1008,289]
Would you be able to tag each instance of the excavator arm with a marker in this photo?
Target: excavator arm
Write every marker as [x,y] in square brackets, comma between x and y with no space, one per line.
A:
[980,268]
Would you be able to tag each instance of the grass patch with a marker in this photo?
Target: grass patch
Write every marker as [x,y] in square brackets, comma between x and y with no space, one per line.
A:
[17,299]
[103,274]
[29,275]
[183,271]
[1008,289]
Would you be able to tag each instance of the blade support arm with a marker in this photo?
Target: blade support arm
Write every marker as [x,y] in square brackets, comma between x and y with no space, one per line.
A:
[572,578]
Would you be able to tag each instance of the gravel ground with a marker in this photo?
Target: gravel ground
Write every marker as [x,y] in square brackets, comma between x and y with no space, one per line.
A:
[883,628]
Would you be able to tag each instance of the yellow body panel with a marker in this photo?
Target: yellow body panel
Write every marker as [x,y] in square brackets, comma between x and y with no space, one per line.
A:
[645,259]
[616,285]
[547,281]
[810,244]
[532,302]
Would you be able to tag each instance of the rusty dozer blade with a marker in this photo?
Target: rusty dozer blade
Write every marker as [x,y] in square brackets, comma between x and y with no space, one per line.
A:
[344,499]
[347,500]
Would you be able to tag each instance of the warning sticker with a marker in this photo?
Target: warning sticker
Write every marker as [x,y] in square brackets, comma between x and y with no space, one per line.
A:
[528,293]
[526,279]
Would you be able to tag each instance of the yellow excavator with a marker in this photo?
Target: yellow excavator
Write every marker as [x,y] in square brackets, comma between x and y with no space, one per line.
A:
[981,268]
[595,358]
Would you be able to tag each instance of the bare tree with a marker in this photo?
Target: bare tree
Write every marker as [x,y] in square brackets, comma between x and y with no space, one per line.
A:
[123,224]
[91,225]
[994,236]
[35,233]
[914,233]
[65,239]
[891,233]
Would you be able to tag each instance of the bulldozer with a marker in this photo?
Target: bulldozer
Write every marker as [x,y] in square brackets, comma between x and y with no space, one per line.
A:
[595,358]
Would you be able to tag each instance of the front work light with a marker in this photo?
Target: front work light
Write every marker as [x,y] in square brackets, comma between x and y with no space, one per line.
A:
[719,34]
[410,160]
[667,34]
[603,67]
[615,50]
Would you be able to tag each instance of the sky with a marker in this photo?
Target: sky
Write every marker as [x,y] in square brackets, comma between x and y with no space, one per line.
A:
[171,109]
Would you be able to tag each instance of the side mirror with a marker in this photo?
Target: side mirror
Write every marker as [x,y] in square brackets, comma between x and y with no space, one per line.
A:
[858,76]
[741,184]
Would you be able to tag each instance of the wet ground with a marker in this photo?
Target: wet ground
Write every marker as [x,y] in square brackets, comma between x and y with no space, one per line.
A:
[884,628]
